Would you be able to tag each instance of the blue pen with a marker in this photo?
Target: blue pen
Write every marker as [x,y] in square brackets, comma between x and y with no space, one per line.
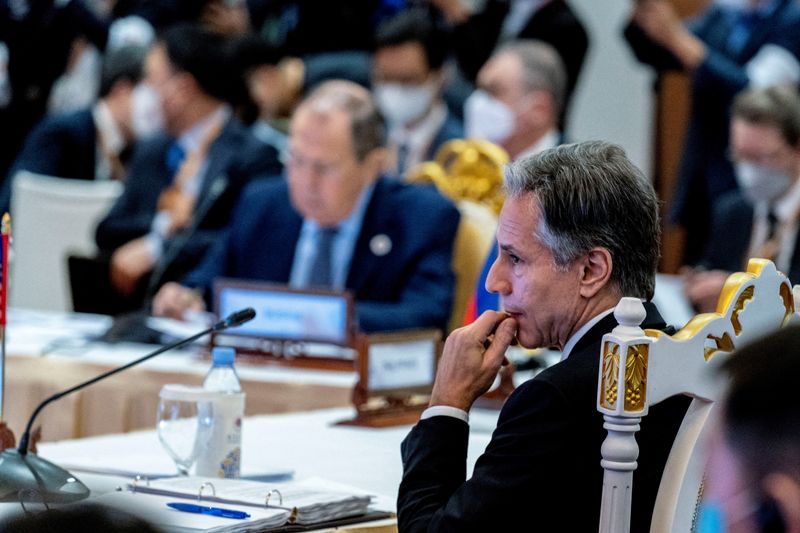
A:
[211,511]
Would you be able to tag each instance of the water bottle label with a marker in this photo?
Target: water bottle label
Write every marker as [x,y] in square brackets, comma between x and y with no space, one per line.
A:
[221,457]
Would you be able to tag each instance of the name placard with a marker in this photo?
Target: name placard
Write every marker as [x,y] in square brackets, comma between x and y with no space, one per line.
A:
[287,314]
[401,366]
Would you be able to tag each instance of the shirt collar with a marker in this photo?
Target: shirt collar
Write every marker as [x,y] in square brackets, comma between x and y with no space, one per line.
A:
[578,335]
[787,206]
[190,139]
[108,129]
[549,140]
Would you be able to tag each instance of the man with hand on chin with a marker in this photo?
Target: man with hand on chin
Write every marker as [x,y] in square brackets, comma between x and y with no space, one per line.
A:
[578,231]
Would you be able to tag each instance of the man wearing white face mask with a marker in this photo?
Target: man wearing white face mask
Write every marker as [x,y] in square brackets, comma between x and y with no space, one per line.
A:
[761,218]
[518,100]
[92,143]
[407,78]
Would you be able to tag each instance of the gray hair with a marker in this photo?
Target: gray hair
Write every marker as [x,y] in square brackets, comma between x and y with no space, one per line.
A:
[590,195]
[366,123]
[542,68]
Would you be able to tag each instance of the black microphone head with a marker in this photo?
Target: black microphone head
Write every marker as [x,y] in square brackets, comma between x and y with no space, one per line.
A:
[236,318]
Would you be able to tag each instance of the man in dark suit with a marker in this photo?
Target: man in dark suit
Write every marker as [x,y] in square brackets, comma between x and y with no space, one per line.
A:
[760,219]
[182,184]
[91,143]
[407,83]
[578,231]
[336,223]
[724,51]
[477,35]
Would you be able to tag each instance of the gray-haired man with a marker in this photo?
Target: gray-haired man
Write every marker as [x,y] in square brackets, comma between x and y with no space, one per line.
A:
[579,231]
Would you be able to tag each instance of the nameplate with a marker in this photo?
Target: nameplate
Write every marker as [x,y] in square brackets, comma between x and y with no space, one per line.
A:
[286,314]
[401,366]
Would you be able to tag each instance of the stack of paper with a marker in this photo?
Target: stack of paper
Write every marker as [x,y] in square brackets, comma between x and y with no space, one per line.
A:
[306,503]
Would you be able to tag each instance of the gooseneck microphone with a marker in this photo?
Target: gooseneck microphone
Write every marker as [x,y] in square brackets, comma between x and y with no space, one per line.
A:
[19,472]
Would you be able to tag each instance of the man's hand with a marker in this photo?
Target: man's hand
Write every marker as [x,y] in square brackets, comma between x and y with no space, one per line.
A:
[658,19]
[175,300]
[129,264]
[704,287]
[471,359]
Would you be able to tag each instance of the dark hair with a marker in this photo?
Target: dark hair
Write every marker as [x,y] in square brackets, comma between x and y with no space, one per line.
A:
[78,519]
[123,63]
[775,106]
[761,411]
[414,26]
[367,124]
[254,51]
[204,55]
[590,195]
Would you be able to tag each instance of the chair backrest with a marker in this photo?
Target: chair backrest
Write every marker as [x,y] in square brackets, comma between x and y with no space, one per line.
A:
[53,217]
[470,173]
[640,368]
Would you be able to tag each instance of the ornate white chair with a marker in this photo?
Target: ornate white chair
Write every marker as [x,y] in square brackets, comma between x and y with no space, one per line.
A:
[640,368]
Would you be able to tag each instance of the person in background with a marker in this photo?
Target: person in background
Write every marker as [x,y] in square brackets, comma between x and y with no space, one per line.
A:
[337,223]
[730,45]
[578,230]
[478,34]
[94,143]
[407,80]
[521,90]
[760,218]
[183,182]
[753,475]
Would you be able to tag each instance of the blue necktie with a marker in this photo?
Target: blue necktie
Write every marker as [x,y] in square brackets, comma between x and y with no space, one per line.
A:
[175,156]
[321,272]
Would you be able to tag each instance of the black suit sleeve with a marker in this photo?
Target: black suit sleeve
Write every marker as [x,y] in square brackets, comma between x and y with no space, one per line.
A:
[527,450]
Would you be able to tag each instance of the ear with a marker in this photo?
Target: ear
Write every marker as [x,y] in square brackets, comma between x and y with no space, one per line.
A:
[595,273]
[785,491]
[375,162]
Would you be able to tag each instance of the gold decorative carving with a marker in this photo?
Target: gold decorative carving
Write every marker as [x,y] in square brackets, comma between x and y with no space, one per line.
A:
[466,170]
[741,303]
[608,394]
[788,301]
[636,377]
[722,344]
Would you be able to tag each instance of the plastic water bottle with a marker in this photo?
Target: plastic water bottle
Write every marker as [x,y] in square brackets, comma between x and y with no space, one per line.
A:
[222,456]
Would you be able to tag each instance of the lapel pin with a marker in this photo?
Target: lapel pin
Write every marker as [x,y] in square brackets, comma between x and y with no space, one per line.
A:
[380,244]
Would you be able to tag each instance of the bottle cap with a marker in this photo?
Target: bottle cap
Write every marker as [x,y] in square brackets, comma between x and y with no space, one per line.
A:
[223,355]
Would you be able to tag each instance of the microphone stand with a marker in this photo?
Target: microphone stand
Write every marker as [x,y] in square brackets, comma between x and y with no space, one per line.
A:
[23,472]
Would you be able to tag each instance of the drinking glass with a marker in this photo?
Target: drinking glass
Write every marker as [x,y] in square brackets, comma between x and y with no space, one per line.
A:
[185,423]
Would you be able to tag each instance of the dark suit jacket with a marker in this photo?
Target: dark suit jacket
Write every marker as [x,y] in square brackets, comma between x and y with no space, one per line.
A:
[732,229]
[554,23]
[410,287]
[60,145]
[705,172]
[541,471]
[452,128]
[235,154]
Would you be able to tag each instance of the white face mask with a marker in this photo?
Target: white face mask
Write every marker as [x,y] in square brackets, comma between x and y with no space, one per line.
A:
[147,118]
[487,118]
[403,104]
[760,183]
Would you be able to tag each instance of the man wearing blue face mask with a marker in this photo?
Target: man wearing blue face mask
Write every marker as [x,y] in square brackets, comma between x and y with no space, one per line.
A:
[407,78]
[760,219]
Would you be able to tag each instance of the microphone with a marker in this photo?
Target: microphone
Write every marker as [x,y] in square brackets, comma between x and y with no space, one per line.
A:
[21,472]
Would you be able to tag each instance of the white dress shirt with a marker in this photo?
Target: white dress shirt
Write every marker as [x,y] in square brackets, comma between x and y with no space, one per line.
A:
[418,139]
[110,142]
[786,209]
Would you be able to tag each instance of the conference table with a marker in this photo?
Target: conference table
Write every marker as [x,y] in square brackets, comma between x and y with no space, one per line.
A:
[51,351]
[302,445]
